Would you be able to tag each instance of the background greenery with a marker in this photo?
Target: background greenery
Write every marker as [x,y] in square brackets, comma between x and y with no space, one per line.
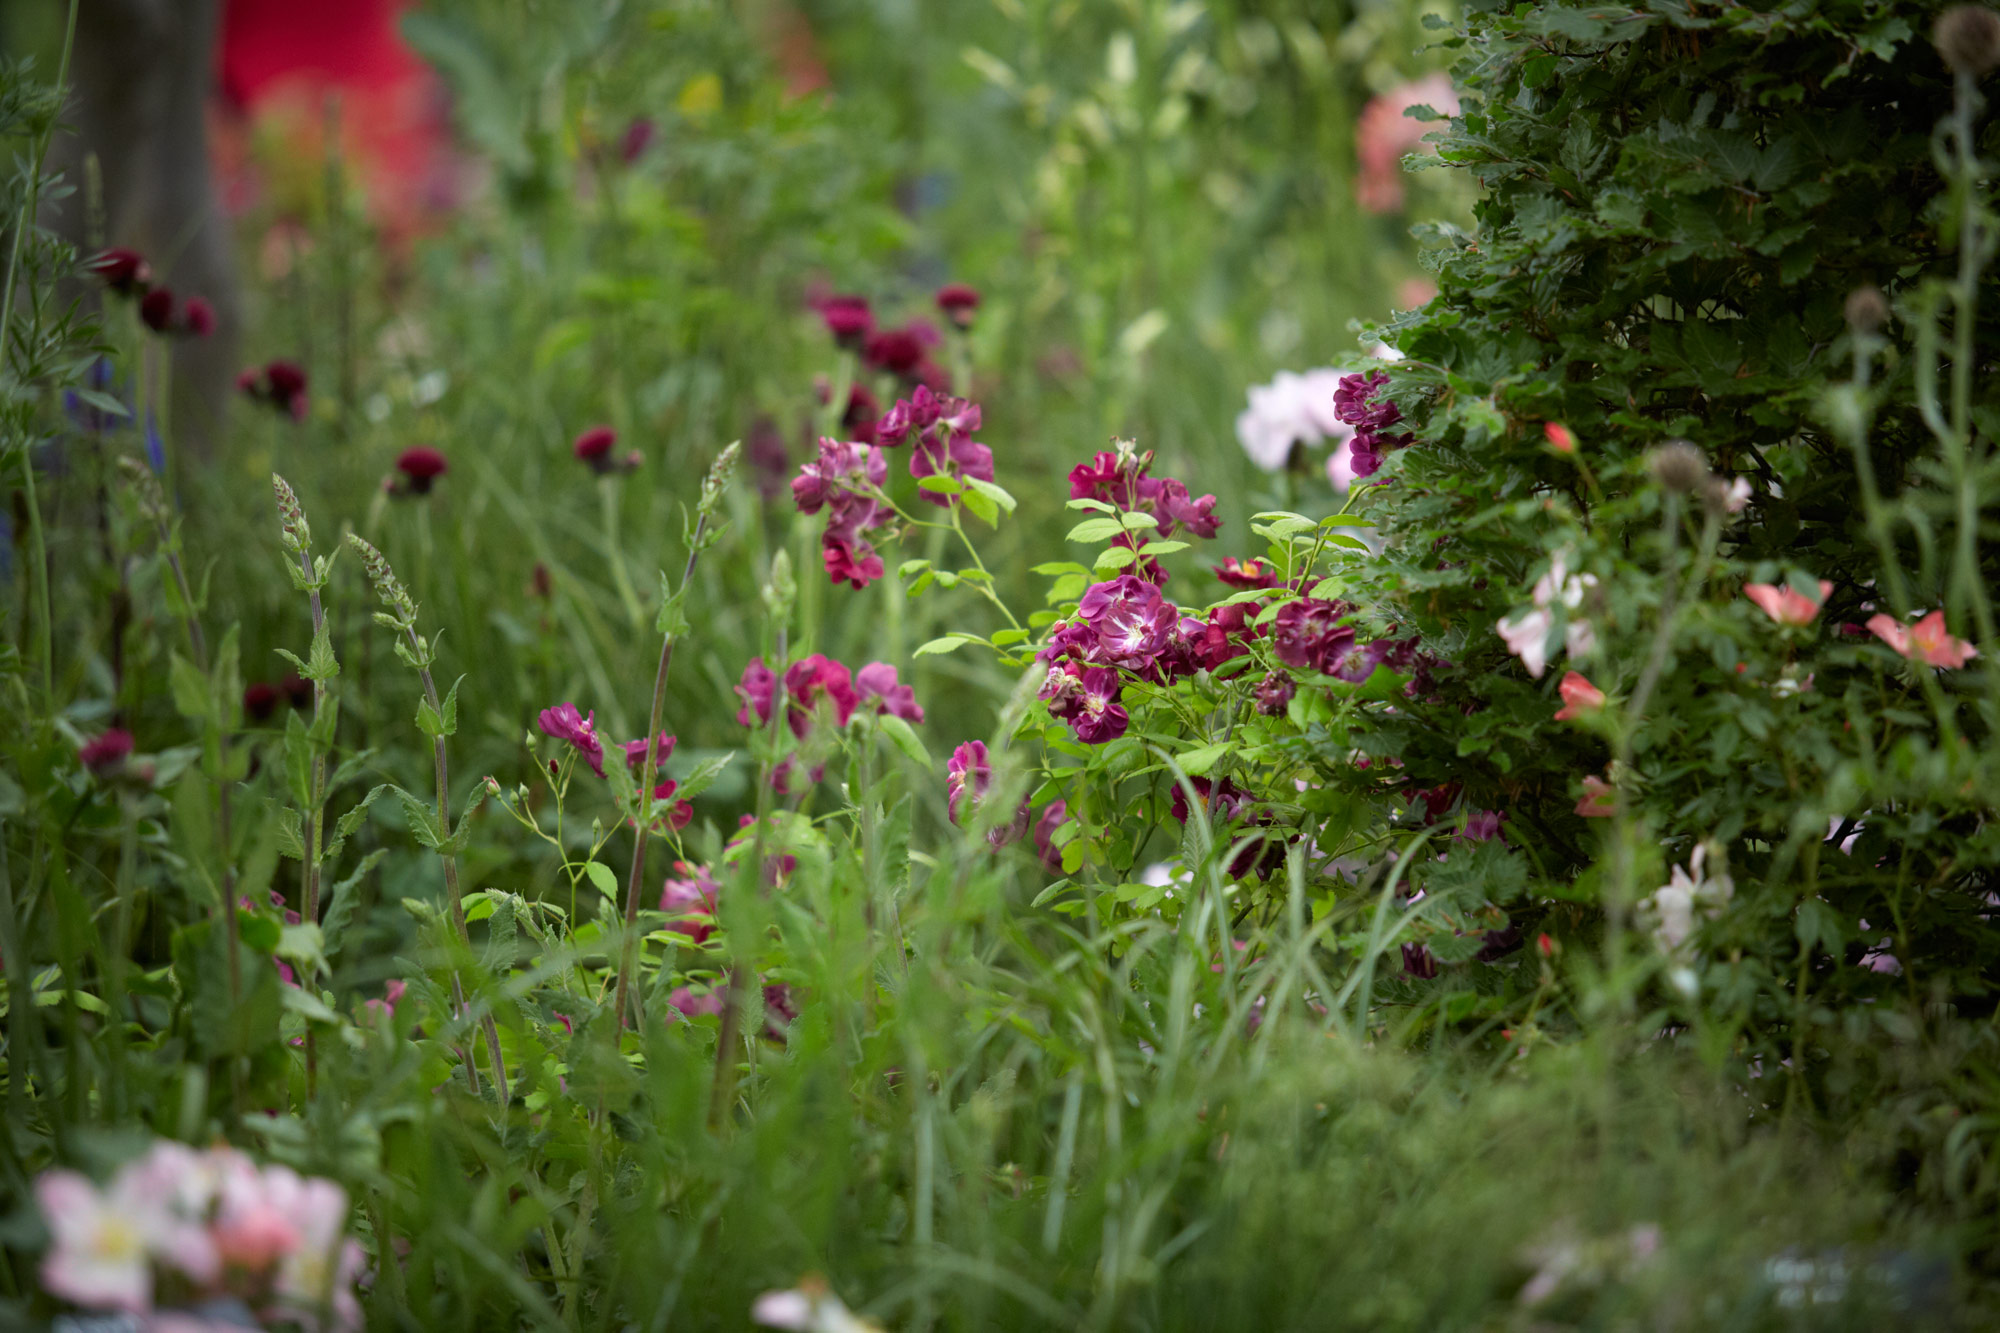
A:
[1001,1116]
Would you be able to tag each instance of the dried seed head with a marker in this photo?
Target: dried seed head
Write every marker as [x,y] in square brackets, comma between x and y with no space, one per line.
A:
[146,490]
[387,586]
[1867,308]
[1678,466]
[291,516]
[1968,37]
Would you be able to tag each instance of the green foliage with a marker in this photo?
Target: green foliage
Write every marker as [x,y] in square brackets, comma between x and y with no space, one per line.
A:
[1262,1026]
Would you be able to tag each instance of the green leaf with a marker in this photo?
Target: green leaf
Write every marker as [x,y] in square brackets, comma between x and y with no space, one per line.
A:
[672,618]
[601,876]
[1096,530]
[1197,762]
[983,507]
[998,495]
[939,485]
[340,909]
[322,665]
[192,699]
[298,761]
[435,724]
[702,776]
[946,644]
[905,738]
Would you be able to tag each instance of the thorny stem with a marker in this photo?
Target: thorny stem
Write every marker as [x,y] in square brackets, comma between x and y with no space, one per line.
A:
[649,773]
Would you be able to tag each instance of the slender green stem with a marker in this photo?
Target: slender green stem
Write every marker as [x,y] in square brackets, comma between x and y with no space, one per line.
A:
[30,207]
[607,490]
[649,772]
[454,896]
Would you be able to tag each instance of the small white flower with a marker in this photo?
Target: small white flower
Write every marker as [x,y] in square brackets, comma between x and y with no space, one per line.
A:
[1673,907]
[810,1308]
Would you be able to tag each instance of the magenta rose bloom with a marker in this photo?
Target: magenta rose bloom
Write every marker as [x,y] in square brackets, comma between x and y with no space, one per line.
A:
[878,686]
[568,725]
[812,682]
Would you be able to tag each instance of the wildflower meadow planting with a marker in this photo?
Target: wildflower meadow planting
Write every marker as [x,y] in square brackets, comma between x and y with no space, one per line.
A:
[1128,665]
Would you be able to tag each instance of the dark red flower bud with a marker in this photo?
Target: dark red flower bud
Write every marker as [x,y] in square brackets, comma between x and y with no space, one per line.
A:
[421,466]
[125,272]
[898,351]
[260,700]
[156,310]
[848,319]
[106,754]
[298,691]
[594,446]
[638,137]
[958,301]
[198,317]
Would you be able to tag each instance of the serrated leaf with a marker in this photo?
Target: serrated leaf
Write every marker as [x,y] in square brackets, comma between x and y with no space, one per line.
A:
[423,824]
[702,776]
[291,842]
[672,619]
[322,666]
[341,903]
[298,761]
[350,822]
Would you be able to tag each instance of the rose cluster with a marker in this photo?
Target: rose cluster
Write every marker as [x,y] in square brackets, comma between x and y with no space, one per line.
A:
[180,1228]
[1123,480]
[903,351]
[847,477]
[821,696]
[1356,404]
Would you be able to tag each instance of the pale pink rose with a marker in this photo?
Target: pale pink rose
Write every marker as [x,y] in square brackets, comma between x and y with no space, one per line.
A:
[1383,134]
[1925,641]
[1786,606]
[101,1256]
[1527,637]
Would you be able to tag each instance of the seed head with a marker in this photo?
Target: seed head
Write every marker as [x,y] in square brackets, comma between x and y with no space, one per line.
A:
[291,516]
[718,477]
[387,586]
[1968,37]
[145,489]
[1867,308]
[1678,466]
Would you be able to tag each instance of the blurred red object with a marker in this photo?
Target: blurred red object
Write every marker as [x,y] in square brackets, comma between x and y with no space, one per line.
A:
[282,68]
